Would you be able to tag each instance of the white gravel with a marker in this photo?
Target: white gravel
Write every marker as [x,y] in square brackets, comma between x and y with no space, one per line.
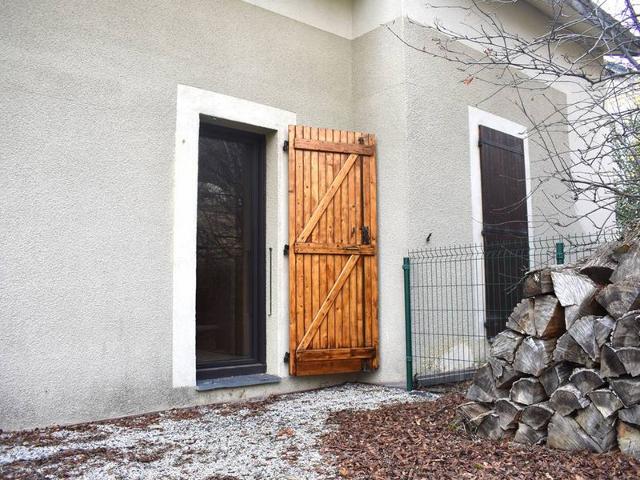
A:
[275,440]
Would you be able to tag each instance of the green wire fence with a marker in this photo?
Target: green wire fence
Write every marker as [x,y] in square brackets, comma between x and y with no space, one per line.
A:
[457,298]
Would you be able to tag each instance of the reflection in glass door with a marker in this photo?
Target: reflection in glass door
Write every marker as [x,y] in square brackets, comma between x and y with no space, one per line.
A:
[230,253]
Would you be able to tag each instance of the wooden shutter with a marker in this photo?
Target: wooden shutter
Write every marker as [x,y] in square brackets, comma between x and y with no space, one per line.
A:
[333,276]
[505,223]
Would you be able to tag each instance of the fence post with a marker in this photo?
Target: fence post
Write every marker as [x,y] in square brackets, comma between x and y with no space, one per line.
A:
[407,323]
[559,253]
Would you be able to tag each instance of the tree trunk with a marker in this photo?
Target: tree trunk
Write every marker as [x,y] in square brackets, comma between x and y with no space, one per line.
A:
[605,401]
[537,415]
[567,399]
[630,359]
[505,345]
[537,282]
[583,333]
[603,327]
[626,332]
[534,355]
[630,415]
[586,379]
[521,319]
[548,317]
[572,288]
[628,389]
[503,373]
[483,388]
[610,364]
[567,349]
[529,436]
[554,376]
[564,433]
[629,439]
[620,298]
[508,412]
[527,391]
[600,429]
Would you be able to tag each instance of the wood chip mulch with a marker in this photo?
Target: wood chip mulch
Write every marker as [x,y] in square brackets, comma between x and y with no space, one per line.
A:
[426,440]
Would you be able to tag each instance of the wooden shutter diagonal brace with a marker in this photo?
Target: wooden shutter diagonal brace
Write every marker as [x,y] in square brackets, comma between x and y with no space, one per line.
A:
[328,301]
[326,199]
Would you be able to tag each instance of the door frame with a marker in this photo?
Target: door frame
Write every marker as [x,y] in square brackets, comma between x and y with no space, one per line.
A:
[191,104]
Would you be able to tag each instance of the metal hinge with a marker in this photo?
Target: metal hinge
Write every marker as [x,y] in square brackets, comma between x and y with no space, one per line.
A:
[285,250]
[366,238]
[285,147]
[286,357]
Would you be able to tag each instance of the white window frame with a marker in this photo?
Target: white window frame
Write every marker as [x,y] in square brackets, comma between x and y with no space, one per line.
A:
[191,104]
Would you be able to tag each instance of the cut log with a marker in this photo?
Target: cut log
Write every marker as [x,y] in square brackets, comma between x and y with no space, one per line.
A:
[508,412]
[600,429]
[606,401]
[554,376]
[567,349]
[490,427]
[571,314]
[472,414]
[503,373]
[583,333]
[548,317]
[567,398]
[534,355]
[527,391]
[620,298]
[586,379]
[483,388]
[629,439]
[521,319]
[630,415]
[602,328]
[630,359]
[628,258]
[529,436]
[628,389]
[537,282]
[626,332]
[564,433]
[600,265]
[537,415]
[571,287]
[610,364]
[505,345]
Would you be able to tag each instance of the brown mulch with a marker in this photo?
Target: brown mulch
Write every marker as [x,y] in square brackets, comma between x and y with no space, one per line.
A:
[425,440]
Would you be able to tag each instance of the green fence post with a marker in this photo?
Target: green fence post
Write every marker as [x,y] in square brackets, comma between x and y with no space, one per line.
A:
[407,323]
[559,253]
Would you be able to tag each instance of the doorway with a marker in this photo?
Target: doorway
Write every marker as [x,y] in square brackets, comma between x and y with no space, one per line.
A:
[230,263]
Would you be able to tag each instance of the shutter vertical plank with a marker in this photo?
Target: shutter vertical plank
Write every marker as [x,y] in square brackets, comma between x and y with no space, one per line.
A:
[293,231]
[299,260]
[315,262]
[366,215]
[308,271]
[322,234]
[373,274]
[344,220]
[333,276]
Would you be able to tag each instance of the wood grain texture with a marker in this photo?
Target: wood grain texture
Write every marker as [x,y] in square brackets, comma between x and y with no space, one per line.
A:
[332,261]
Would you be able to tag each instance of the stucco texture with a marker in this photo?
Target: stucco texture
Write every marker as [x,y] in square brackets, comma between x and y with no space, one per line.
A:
[87,114]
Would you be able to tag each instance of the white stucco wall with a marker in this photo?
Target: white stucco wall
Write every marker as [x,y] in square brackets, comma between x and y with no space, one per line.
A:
[88,99]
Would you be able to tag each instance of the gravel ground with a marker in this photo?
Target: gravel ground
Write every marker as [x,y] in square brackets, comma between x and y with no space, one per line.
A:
[276,438]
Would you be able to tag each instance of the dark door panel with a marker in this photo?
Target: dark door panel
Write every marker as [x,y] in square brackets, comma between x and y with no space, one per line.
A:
[505,224]
[230,253]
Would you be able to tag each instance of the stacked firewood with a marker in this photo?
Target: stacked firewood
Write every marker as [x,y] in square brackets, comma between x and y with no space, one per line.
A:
[566,371]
